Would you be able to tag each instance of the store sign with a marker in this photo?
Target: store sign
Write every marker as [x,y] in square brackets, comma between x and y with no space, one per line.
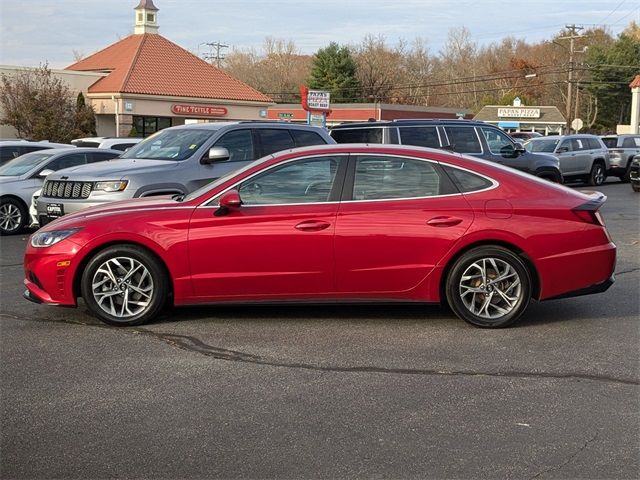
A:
[198,110]
[318,100]
[518,113]
[285,115]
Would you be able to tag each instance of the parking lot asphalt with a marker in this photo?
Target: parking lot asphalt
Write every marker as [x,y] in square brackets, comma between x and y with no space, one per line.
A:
[327,392]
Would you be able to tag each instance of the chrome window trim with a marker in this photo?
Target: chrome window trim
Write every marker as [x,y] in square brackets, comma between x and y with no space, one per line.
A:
[494,184]
[231,187]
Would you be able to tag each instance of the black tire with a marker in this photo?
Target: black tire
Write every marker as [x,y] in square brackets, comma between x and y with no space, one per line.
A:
[458,290]
[636,187]
[146,292]
[13,216]
[551,177]
[626,176]
[598,174]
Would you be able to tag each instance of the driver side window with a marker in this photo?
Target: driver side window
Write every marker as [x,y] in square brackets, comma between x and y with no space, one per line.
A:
[304,181]
[498,142]
[565,146]
[239,143]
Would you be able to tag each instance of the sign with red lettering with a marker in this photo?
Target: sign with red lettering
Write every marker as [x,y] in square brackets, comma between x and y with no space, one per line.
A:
[198,110]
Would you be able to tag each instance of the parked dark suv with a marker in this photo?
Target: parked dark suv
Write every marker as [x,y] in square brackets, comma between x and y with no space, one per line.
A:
[477,139]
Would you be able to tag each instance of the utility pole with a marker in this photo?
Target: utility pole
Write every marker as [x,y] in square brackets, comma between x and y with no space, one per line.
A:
[217,56]
[573,35]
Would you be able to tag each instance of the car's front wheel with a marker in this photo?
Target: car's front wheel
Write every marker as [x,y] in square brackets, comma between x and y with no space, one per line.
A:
[489,286]
[13,216]
[124,285]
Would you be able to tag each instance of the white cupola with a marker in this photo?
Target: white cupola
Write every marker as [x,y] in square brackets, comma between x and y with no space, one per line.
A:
[146,18]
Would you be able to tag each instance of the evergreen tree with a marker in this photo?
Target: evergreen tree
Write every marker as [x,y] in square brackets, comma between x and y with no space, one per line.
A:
[333,69]
[85,118]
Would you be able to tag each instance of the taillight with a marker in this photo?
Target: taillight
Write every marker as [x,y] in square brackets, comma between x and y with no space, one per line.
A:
[589,212]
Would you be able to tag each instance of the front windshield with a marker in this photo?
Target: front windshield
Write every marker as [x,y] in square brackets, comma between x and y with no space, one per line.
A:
[547,145]
[170,144]
[23,163]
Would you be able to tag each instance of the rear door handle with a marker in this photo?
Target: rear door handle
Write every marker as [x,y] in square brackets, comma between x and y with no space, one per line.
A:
[312,225]
[444,221]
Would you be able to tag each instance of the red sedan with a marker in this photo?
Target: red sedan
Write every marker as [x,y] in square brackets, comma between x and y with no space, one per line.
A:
[348,223]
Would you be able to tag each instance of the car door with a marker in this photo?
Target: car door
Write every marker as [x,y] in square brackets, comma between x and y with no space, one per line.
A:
[569,163]
[396,222]
[502,149]
[279,242]
[584,155]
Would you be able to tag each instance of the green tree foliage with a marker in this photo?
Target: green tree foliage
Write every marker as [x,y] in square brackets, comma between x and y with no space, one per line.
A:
[334,69]
[614,66]
[85,118]
[40,106]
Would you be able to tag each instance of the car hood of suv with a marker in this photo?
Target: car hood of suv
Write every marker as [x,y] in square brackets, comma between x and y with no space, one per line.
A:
[113,169]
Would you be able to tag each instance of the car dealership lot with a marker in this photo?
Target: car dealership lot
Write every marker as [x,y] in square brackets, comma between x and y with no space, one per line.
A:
[332,391]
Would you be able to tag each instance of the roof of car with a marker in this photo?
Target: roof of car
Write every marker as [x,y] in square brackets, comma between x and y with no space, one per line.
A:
[410,122]
[28,143]
[256,123]
[62,151]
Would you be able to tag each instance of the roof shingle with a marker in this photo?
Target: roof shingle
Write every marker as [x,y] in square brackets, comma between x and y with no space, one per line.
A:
[152,65]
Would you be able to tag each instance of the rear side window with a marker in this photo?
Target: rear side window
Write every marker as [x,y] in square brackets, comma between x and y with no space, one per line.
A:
[379,178]
[358,135]
[304,138]
[463,139]
[467,181]
[594,143]
[274,140]
[631,142]
[420,136]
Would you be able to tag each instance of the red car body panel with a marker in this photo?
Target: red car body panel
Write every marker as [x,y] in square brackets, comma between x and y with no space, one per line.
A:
[382,249]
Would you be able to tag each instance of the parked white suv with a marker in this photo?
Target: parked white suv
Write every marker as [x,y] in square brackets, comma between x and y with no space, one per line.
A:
[114,143]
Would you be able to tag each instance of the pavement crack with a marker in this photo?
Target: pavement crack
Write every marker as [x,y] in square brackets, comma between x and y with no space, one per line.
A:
[569,458]
[631,270]
[195,345]
[11,264]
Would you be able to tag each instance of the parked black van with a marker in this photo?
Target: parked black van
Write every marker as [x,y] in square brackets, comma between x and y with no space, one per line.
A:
[477,139]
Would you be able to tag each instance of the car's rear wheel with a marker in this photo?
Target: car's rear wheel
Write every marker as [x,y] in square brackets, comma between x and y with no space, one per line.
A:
[124,285]
[489,287]
[636,187]
[598,174]
[13,216]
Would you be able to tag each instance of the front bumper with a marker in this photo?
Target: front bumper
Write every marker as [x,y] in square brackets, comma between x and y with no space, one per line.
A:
[68,206]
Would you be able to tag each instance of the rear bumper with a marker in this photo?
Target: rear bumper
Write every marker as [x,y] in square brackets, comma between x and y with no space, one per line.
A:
[597,288]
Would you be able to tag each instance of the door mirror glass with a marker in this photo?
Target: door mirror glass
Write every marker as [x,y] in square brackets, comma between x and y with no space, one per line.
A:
[215,154]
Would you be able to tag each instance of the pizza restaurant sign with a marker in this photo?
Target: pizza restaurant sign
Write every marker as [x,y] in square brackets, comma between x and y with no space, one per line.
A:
[198,110]
[519,113]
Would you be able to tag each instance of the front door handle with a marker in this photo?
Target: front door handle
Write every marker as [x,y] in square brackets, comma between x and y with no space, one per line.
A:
[444,221]
[312,225]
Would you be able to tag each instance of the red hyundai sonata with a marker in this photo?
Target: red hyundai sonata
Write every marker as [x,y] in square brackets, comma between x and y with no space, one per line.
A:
[346,223]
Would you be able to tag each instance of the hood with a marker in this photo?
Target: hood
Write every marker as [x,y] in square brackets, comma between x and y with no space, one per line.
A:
[10,179]
[100,211]
[116,169]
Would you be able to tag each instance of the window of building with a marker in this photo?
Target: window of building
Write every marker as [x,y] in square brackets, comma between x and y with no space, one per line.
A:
[146,126]
[151,17]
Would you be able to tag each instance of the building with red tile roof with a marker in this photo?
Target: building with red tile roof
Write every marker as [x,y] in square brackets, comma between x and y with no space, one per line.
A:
[152,83]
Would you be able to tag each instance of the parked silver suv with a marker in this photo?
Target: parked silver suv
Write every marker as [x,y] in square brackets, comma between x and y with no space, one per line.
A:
[622,149]
[175,160]
[582,157]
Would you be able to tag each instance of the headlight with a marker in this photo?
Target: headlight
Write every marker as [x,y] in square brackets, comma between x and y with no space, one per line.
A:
[46,239]
[111,185]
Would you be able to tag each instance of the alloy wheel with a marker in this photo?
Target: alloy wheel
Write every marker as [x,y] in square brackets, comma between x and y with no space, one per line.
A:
[490,288]
[10,217]
[122,287]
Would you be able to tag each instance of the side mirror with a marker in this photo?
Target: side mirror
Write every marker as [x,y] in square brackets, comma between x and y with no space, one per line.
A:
[215,154]
[563,150]
[228,201]
[45,172]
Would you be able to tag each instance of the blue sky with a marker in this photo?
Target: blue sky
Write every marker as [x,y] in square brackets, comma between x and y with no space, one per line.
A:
[38,31]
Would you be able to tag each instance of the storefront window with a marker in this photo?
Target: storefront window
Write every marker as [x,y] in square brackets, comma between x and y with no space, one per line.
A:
[146,126]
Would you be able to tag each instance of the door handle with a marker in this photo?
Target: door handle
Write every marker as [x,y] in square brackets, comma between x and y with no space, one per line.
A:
[444,221]
[312,225]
